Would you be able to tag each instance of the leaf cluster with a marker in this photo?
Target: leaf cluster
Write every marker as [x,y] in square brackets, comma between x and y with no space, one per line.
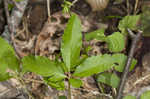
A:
[73,66]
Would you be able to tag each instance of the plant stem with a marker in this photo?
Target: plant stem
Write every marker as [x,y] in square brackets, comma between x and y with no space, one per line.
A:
[69,90]
[101,88]
[69,87]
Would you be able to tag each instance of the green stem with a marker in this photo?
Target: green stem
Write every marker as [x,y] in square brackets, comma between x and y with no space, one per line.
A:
[69,88]
[101,88]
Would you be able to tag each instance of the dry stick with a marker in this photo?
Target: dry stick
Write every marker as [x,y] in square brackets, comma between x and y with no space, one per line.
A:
[17,13]
[14,20]
[74,2]
[19,78]
[16,5]
[128,63]
[128,6]
[136,5]
[7,15]
[9,23]
[33,80]
[48,9]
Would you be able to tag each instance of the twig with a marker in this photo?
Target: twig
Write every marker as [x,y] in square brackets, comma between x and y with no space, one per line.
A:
[99,85]
[136,5]
[19,78]
[7,15]
[97,93]
[48,9]
[13,20]
[127,66]
[74,2]
[141,79]
[16,5]
[33,80]
[131,34]
[128,6]
[17,14]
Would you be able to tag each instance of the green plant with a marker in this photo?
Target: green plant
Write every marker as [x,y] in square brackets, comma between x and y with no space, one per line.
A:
[129,97]
[129,22]
[11,6]
[144,95]
[73,66]
[66,6]
[115,43]
[145,19]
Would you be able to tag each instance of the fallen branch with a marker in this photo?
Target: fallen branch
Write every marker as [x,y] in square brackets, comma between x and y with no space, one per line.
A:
[13,20]
[136,38]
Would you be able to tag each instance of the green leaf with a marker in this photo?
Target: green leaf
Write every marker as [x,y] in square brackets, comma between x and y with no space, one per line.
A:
[4,76]
[128,22]
[93,65]
[109,79]
[71,42]
[120,59]
[77,83]
[62,97]
[133,63]
[10,7]
[41,65]
[56,77]
[80,60]
[145,20]
[87,49]
[116,42]
[98,35]
[5,47]
[64,67]
[129,97]
[10,60]
[3,68]
[7,57]
[18,0]
[111,17]
[59,85]
[66,6]
[145,95]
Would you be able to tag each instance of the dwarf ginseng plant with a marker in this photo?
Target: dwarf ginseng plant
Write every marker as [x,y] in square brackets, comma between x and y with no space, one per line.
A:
[73,66]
